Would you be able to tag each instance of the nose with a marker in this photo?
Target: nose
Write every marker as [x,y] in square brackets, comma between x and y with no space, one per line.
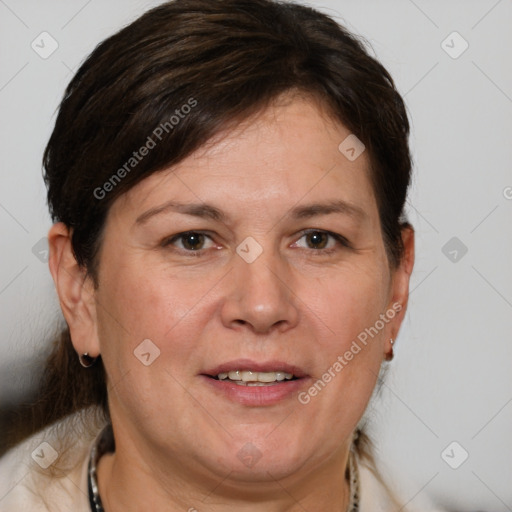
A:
[260,296]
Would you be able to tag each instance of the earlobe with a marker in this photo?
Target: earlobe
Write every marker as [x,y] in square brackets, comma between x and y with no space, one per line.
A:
[75,290]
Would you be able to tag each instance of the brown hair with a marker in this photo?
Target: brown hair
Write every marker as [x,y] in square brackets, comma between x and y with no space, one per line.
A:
[177,76]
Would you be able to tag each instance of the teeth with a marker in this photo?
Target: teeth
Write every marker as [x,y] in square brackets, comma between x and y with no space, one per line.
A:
[267,377]
[255,378]
[249,376]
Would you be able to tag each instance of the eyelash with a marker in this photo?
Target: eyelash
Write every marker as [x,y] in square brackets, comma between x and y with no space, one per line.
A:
[317,252]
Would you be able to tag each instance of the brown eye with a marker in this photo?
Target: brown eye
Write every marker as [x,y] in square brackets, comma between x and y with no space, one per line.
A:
[192,241]
[317,239]
[322,242]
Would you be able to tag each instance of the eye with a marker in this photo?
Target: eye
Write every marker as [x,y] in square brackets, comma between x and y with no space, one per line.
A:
[321,240]
[190,241]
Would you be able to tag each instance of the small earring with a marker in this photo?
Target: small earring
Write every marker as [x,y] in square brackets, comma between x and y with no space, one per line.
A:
[86,360]
[390,354]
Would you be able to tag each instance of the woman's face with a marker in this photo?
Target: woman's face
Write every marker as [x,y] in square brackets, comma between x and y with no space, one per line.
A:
[261,253]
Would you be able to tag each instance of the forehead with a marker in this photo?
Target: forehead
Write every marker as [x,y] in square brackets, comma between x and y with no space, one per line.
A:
[286,154]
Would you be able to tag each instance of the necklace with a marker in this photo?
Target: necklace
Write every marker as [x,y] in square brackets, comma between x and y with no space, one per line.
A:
[353,479]
[105,444]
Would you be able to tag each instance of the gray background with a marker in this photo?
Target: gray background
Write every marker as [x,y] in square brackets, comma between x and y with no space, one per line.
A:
[451,377]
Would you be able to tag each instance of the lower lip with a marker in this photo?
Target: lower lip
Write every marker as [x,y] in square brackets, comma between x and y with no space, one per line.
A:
[257,395]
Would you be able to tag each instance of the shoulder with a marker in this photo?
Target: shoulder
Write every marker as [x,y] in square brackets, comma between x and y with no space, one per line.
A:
[48,471]
[376,495]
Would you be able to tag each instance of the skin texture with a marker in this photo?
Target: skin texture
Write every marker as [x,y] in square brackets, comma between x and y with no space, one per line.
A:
[177,438]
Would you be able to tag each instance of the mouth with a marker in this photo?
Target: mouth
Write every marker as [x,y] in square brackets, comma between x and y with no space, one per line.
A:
[254,378]
[246,372]
[255,383]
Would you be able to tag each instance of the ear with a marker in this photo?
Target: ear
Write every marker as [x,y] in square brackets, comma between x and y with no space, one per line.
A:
[75,290]
[400,285]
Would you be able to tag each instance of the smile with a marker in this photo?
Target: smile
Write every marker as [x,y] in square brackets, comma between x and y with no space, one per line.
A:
[253,378]
[256,383]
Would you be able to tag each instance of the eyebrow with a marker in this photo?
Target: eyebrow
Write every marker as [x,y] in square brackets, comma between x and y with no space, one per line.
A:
[207,211]
[202,210]
[336,206]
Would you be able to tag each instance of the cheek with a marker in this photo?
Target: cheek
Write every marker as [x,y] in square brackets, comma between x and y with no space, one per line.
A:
[137,302]
[351,302]
[154,306]
[351,354]
[144,300]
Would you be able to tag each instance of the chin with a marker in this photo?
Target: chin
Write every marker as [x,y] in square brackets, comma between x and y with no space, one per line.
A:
[265,470]
[262,459]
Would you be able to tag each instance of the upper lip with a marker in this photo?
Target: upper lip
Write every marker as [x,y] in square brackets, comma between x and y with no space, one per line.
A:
[255,366]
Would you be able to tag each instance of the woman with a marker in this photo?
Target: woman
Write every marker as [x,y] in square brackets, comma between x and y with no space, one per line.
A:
[227,181]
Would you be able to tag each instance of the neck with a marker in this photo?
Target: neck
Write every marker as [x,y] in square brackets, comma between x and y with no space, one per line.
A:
[128,481]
